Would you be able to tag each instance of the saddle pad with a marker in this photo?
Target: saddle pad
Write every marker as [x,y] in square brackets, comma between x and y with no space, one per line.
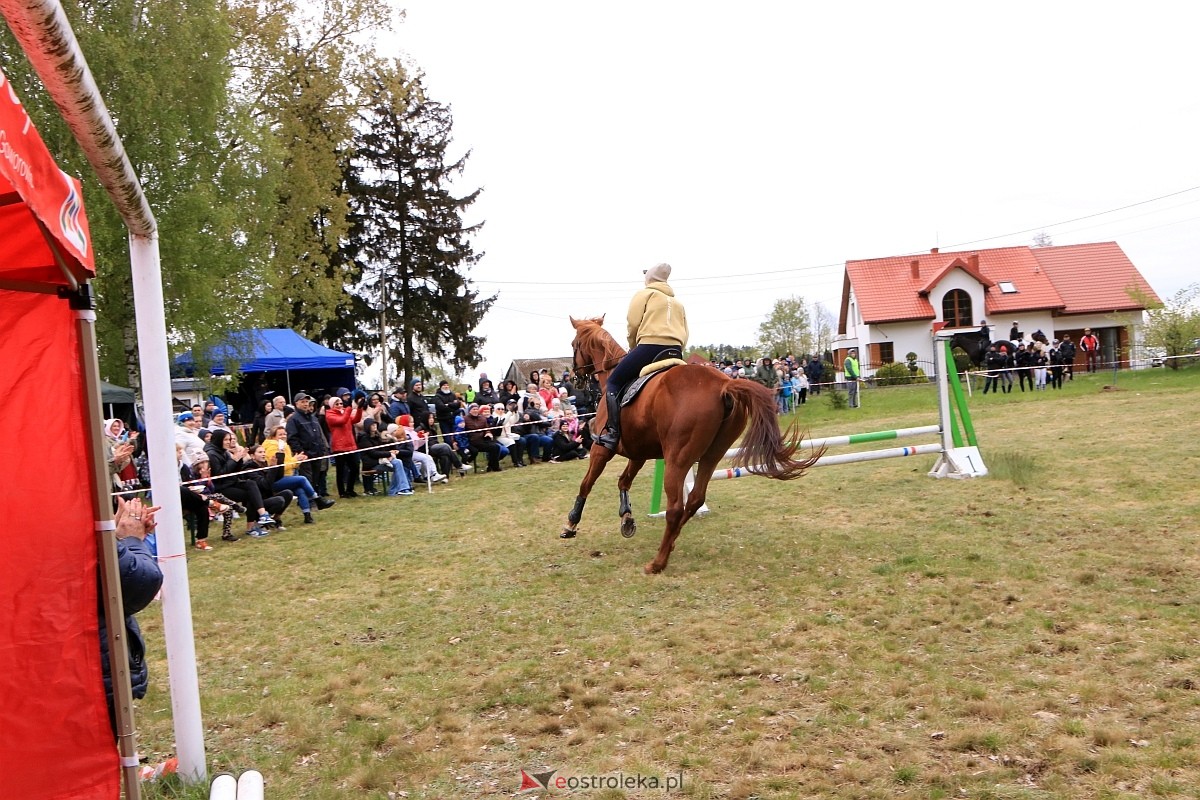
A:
[655,366]
[632,390]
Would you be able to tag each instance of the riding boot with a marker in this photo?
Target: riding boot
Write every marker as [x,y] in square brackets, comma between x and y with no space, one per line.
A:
[612,429]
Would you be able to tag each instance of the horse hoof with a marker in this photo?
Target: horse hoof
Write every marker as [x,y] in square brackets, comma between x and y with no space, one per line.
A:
[567,534]
[651,569]
[628,527]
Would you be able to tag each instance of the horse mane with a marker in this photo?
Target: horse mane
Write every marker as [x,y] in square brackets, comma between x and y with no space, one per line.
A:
[590,334]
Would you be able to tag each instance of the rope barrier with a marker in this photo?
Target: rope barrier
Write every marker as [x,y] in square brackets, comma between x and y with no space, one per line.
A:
[383,446]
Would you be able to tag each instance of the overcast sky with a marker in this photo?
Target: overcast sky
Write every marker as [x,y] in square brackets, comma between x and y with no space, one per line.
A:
[758,146]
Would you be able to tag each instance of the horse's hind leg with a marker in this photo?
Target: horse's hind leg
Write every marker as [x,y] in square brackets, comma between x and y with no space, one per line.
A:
[673,484]
[600,456]
[697,495]
[628,524]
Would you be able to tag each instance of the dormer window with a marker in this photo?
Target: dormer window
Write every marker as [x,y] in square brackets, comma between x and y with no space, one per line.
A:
[956,309]
[1007,287]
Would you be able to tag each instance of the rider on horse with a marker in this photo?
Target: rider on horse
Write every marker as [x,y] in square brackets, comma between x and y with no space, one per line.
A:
[656,320]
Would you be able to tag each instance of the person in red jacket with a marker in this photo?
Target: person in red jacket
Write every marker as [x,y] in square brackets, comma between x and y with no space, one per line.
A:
[1090,346]
[341,421]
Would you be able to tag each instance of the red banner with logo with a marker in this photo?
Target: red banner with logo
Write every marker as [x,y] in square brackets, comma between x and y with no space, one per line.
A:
[33,189]
[55,739]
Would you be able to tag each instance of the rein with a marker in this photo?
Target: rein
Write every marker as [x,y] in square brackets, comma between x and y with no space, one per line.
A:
[583,371]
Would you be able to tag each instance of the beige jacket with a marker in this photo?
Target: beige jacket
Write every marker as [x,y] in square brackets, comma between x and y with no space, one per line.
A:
[656,317]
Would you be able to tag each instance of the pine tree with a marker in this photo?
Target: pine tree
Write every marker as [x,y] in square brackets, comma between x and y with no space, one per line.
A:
[407,237]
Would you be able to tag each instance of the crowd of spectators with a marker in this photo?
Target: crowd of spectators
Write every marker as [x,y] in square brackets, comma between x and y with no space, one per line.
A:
[378,445]
[792,379]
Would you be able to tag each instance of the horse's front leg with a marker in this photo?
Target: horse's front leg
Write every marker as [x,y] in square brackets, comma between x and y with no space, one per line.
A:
[628,524]
[600,456]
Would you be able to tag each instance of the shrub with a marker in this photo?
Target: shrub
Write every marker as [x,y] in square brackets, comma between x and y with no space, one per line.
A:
[897,374]
[837,398]
[962,361]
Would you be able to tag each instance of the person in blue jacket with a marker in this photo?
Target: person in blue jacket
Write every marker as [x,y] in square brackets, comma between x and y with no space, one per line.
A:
[140,581]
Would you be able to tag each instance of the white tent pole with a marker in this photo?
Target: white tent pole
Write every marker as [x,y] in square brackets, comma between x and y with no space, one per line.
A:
[176,596]
[44,33]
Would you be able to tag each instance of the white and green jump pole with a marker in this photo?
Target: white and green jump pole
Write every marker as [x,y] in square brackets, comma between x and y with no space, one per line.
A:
[957,450]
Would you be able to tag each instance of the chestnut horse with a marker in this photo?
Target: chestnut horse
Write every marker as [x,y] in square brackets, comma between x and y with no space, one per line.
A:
[689,414]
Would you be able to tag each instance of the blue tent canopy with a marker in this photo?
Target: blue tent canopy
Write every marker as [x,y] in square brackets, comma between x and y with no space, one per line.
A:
[271,350]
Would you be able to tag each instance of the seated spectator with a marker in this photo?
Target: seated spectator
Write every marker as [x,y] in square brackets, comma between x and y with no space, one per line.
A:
[508,393]
[186,436]
[401,445]
[218,505]
[564,446]
[459,441]
[503,420]
[426,467]
[277,451]
[219,421]
[192,502]
[572,421]
[374,456]
[525,396]
[398,467]
[546,389]
[141,579]
[276,499]
[119,452]
[534,432]
[566,397]
[482,437]
[447,457]
[227,458]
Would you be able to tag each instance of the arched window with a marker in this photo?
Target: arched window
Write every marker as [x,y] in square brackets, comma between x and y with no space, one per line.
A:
[956,309]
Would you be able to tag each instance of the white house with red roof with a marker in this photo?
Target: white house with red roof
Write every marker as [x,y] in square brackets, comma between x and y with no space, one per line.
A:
[891,306]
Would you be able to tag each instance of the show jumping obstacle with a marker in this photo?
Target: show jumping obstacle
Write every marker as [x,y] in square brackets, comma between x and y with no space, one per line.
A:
[957,451]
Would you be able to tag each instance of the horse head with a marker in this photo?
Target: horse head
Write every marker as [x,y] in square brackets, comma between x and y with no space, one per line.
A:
[592,349]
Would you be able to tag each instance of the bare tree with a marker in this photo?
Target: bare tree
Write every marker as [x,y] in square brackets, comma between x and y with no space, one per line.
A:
[824,325]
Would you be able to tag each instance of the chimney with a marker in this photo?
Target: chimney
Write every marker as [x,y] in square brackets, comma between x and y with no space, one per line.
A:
[933,250]
[973,260]
[916,269]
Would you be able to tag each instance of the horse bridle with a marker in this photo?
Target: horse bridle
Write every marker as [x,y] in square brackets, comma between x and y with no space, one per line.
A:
[581,372]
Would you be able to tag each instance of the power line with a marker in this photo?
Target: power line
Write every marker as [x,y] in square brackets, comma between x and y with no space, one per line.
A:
[1076,219]
[840,265]
[837,265]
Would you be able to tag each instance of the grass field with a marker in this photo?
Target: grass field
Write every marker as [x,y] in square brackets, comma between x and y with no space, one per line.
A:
[864,632]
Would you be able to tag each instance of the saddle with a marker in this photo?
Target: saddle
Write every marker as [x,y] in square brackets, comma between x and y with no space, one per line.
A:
[667,358]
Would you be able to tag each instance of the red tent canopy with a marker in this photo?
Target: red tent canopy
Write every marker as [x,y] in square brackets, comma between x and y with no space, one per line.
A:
[55,740]
[42,224]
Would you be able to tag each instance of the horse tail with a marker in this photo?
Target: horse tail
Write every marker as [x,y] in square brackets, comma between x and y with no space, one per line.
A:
[764,448]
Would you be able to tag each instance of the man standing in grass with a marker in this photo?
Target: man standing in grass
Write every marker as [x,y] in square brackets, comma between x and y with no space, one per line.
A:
[1090,346]
[853,375]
